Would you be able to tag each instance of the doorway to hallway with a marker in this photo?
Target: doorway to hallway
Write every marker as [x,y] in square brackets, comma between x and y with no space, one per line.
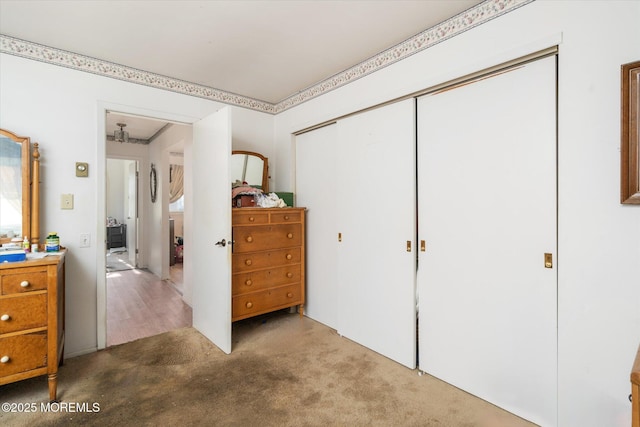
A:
[140,302]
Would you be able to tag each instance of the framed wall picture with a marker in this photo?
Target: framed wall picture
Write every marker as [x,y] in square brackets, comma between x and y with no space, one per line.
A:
[630,127]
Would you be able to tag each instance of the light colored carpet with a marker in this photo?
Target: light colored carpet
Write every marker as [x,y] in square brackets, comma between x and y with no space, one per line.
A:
[284,371]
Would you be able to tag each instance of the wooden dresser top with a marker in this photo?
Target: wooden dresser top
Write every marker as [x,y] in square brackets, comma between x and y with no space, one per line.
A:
[52,258]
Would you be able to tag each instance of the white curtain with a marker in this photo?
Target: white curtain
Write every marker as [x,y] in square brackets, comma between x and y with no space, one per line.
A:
[176,182]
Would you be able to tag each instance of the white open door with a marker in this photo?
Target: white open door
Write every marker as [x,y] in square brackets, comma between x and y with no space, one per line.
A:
[487,211]
[132,211]
[212,223]
[376,218]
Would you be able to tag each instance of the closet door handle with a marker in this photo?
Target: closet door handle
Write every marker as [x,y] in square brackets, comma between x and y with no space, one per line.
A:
[222,243]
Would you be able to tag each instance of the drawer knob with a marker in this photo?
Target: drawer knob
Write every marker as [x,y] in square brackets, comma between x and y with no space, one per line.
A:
[248,282]
[249,239]
[5,317]
[290,235]
[4,359]
[249,304]
[289,275]
[24,284]
[289,256]
[248,262]
[251,219]
[289,295]
[286,217]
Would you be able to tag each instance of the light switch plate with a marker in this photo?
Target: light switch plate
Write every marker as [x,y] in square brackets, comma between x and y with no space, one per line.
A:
[85,240]
[66,201]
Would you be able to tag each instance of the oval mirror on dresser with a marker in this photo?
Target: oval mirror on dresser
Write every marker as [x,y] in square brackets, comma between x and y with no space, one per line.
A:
[250,168]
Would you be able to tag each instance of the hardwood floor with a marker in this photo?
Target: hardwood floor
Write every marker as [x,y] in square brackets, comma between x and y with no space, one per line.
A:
[175,274]
[140,305]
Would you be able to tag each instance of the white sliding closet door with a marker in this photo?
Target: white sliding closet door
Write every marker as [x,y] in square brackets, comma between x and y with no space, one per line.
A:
[487,210]
[316,186]
[376,218]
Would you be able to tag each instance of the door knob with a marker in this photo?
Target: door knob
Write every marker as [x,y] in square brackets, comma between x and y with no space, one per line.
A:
[222,242]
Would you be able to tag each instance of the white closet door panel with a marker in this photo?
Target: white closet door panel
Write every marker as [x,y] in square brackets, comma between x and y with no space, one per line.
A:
[487,210]
[316,186]
[376,202]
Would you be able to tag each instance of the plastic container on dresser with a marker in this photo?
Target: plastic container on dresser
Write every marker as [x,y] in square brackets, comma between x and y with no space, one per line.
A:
[268,260]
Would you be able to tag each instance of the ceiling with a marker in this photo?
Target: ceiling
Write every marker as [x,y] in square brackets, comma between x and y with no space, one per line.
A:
[267,50]
[142,130]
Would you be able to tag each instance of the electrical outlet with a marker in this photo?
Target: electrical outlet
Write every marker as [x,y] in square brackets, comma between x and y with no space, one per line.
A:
[85,240]
[66,201]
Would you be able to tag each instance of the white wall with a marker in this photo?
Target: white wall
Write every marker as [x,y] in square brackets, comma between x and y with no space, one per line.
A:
[598,240]
[175,137]
[63,110]
[115,186]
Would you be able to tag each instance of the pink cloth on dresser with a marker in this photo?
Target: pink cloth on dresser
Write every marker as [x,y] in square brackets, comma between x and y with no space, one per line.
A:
[244,190]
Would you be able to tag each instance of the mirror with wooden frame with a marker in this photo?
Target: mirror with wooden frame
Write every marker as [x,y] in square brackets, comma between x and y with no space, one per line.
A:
[20,191]
[630,127]
[250,168]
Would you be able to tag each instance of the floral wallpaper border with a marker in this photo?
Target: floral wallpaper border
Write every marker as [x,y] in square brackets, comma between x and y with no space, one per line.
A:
[458,24]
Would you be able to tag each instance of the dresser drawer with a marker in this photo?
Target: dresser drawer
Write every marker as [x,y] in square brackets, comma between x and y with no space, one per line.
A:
[22,353]
[248,305]
[286,216]
[24,280]
[249,218]
[250,261]
[263,237]
[262,279]
[23,312]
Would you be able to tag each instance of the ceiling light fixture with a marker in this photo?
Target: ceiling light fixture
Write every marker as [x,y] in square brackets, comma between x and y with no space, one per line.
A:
[121,135]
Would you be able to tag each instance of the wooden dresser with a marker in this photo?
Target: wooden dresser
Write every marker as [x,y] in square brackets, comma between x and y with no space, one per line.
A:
[32,319]
[267,261]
